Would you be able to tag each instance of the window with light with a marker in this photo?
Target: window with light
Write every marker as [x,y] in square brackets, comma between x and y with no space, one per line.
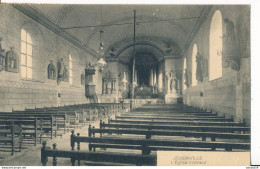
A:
[26,54]
[215,55]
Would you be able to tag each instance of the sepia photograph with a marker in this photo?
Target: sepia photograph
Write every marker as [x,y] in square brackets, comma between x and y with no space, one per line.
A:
[125,85]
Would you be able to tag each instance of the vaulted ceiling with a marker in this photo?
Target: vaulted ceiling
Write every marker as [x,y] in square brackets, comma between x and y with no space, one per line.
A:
[160,29]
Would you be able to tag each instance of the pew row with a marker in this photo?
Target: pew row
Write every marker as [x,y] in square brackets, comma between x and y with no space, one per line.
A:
[146,144]
[220,119]
[11,136]
[136,159]
[173,122]
[149,133]
[178,127]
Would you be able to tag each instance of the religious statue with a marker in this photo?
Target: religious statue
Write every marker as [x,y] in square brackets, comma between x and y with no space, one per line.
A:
[66,73]
[11,62]
[204,67]
[51,71]
[82,77]
[232,49]
[60,71]
[89,65]
[173,80]
[155,88]
[230,30]
[186,81]
[199,59]
[2,57]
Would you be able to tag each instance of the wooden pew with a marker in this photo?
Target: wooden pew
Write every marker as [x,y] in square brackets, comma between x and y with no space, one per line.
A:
[59,120]
[11,134]
[145,144]
[150,133]
[47,121]
[136,159]
[178,127]
[220,119]
[173,114]
[174,122]
[30,127]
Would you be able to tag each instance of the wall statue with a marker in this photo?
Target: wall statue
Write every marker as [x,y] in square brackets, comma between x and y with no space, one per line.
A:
[204,67]
[230,30]
[173,80]
[60,76]
[187,77]
[2,57]
[51,71]
[231,54]
[66,73]
[199,60]
[11,61]
[82,78]
[90,65]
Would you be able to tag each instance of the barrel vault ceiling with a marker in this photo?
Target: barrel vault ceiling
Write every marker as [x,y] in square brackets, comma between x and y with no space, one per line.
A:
[160,29]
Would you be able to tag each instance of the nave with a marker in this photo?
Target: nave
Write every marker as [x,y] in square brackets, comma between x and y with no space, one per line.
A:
[102,80]
[138,134]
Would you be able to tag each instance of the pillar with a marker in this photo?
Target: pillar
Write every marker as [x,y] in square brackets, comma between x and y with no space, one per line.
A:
[151,77]
[136,77]
[154,77]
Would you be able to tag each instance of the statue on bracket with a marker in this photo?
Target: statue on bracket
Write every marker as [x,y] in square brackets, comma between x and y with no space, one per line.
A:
[204,67]
[90,65]
[51,71]
[82,78]
[199,59]
[187,77]
[173,81]
[2,57]
[231,54]
[60,76]
[11,62]
[66,73]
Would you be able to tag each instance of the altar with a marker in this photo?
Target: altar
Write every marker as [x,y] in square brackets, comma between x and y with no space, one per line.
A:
[146,92]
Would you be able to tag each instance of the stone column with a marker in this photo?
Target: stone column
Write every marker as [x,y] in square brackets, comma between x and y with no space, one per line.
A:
[151,77]
[154,77]
[135,77]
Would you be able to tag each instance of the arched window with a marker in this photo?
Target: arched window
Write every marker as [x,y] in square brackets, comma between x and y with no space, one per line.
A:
[194,65]
[26,54]
[70,69]
[183,74]
[215,53]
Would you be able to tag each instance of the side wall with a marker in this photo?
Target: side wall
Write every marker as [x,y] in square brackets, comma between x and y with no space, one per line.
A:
[17,93]
[230,94]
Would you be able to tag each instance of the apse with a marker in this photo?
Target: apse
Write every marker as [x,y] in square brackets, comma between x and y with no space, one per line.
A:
[145,62]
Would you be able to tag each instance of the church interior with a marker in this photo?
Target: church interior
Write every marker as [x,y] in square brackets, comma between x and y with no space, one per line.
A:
[113,84]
